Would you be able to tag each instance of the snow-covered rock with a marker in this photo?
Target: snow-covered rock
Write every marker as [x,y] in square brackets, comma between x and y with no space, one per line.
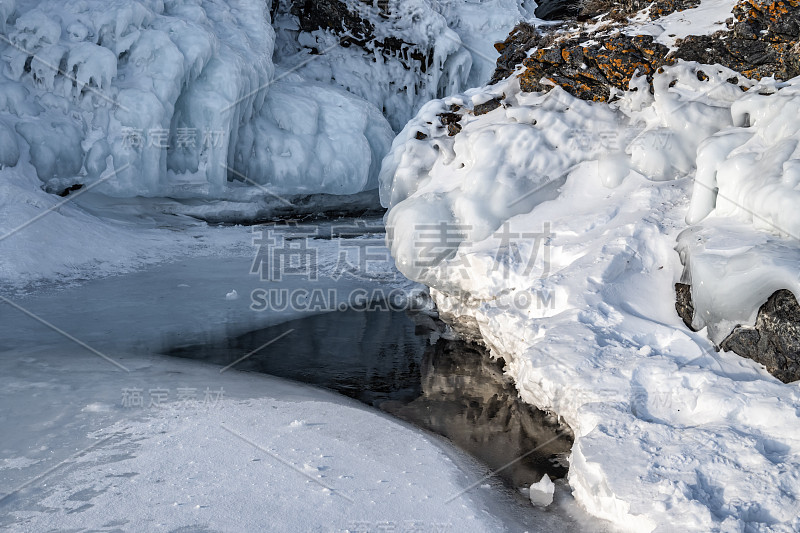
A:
[548,226]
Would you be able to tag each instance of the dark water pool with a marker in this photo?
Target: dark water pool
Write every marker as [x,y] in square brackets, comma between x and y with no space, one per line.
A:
[386,359]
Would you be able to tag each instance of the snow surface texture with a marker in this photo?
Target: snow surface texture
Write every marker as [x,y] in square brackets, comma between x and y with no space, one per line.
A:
[456,37]
[173,98]
[705,19]
[563,217]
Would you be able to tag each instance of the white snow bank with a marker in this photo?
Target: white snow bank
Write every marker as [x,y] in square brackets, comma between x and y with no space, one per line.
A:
[173,98]
[733,269]
[746,174]
[550,224]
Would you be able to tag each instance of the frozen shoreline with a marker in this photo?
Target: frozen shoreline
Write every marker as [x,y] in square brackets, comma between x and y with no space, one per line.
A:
[185,462]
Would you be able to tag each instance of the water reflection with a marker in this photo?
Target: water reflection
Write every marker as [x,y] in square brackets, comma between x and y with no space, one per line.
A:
[466,398]
[385,359]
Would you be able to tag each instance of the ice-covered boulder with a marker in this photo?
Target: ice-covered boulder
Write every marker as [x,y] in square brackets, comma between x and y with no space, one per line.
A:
[54,147]
[774,340]
[9,147]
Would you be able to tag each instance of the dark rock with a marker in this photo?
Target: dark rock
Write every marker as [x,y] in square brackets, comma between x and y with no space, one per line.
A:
[353,30]
[557,9]
[620,11]
[71,188]
[514,49]
[683,303]
[659,8]
[451,122]
[588,72]
[762,39]
[482,109]
[420,136]
[333,15]
[774,341]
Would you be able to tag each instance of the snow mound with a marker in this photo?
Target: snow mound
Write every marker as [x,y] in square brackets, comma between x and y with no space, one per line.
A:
[175,98]
[547,226]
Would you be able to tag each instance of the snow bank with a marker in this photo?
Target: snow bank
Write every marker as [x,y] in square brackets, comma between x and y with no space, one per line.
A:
[748,179]
[173,98]
[549,224]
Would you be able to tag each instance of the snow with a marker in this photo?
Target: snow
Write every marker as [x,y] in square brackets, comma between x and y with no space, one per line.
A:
[175,99]
[231,463]
[541,492]
[166,467]
[706,19]
[722,254]
[561,218]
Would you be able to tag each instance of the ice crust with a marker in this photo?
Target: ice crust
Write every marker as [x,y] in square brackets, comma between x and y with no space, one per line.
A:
[579,301]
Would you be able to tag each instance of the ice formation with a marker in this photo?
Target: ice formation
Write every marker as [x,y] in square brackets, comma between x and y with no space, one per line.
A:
[174,99]
[548,226]
[416,50]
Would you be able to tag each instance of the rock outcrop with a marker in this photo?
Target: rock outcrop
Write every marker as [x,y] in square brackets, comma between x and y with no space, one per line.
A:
[590,71]
[774,340]
[683,303]
[762,39]
[354,30]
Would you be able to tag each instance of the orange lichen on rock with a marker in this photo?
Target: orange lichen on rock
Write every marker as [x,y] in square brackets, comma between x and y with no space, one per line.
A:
[763,39]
